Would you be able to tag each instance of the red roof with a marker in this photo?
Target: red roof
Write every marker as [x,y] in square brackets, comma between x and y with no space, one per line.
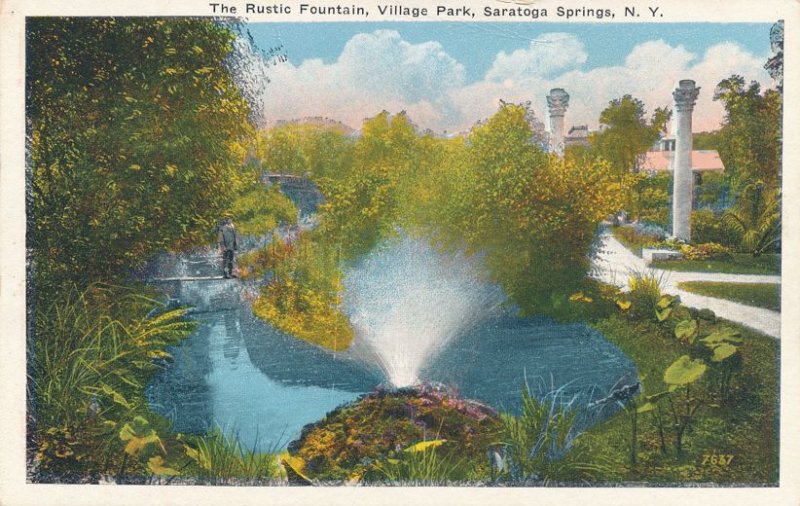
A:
[703,160]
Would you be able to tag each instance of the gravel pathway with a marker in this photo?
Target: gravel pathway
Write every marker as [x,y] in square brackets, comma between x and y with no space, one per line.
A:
[614,264]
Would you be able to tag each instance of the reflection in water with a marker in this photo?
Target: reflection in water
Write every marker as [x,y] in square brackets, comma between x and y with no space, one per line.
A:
[213,382]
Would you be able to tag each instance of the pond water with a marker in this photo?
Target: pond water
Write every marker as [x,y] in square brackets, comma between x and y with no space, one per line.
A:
[238,373]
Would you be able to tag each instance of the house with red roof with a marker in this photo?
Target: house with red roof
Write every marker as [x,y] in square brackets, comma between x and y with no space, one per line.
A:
[660,159]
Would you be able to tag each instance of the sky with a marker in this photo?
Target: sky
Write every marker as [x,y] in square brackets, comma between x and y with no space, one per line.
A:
[447,76]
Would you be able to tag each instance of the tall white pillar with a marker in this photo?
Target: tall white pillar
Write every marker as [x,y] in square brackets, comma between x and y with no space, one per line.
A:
[557,102]
[685,96]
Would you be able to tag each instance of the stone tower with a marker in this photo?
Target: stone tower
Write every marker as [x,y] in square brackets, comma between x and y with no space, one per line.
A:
[557,102]
[685,96]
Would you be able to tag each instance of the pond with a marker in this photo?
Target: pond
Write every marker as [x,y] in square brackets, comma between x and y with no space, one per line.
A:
[238,373]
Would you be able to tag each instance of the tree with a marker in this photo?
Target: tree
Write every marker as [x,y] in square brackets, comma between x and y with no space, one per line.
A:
[132,127]
[706,140]
[260,209]
[750,144]
[532,216]
[363,206]
[280,152]
[320,150]
[627,134]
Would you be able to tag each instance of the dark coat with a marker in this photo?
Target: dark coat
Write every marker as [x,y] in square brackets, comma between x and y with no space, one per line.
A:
[227,237]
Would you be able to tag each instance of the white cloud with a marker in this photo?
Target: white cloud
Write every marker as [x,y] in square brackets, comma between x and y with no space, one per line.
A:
[644,55]
[383,63]
[380,70]
[375,71]
[650,73]
[547,54]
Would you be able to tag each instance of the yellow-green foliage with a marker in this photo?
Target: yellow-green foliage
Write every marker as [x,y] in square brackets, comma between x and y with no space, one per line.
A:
[134,128]
[706,251]
[257,263]
[260,209]
[363,207]
[531,215]
[303,298]
[319,150]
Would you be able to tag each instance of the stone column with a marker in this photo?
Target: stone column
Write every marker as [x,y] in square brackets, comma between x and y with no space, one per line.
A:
[557,102]
[685,96]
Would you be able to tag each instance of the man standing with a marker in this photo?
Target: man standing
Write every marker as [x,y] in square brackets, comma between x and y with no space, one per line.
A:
[227,243]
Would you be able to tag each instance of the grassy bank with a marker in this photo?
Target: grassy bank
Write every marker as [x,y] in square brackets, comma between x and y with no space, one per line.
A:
[731,440]
[765,295]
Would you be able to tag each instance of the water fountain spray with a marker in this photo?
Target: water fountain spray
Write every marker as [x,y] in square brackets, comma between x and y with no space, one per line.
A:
[406,301]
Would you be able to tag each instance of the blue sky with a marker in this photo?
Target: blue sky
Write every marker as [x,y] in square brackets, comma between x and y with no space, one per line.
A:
[449,75]
[476,44]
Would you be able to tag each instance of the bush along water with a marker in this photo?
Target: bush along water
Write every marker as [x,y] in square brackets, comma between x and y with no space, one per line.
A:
[373,438]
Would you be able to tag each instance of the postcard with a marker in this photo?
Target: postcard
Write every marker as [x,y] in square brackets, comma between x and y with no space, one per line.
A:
[321,252]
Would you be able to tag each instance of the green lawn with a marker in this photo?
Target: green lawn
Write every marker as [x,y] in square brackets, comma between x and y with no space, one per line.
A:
[766,295]
[741,263]
[744,427]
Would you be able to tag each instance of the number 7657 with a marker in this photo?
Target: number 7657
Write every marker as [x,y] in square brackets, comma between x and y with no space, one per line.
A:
[716,459]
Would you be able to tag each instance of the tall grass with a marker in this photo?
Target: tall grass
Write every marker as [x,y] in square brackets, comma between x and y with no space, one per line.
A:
[218,458]
[428,467]
[536,446]
[646,288]
[92,355]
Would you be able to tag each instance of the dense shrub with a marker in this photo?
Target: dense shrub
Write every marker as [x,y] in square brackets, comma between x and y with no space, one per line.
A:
[303,295]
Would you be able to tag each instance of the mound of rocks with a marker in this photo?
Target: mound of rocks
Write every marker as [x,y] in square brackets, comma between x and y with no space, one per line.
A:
[357,437]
